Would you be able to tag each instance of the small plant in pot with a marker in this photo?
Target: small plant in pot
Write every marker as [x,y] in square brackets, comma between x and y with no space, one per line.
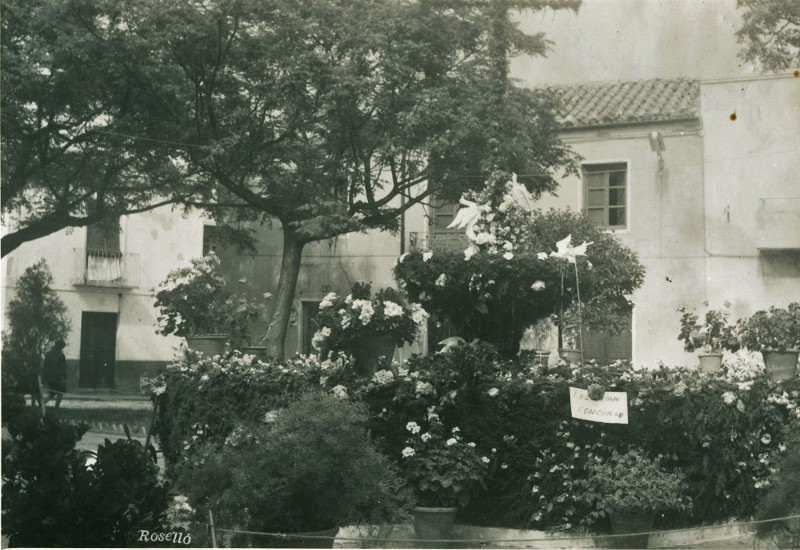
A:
[776,334]
[444,470]
[711,336]
[194,302]
[631,489]
[304,471]
[365,325]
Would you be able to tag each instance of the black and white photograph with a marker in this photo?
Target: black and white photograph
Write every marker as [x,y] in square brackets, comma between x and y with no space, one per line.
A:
[400,273]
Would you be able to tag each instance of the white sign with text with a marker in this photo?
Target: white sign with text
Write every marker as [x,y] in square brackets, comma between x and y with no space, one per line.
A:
[612,409]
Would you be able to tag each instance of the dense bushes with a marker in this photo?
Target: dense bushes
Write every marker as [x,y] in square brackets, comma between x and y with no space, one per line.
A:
[723,432]
[53,495]
[305,468]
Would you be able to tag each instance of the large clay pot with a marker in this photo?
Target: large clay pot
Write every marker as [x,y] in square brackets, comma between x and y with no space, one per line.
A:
[207,344]
[259,352]
[781,365]
[433,526]
[367,351]
[630,522]
[710,362]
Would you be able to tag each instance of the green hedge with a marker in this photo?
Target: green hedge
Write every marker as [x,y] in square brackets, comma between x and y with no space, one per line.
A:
[725,432]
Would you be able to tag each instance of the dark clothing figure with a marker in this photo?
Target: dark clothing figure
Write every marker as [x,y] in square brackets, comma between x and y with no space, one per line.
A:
[54,372]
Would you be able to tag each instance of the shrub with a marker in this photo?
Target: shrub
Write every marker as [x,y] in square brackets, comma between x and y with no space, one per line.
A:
[36,319]
[53,496]
[783,498]
[203,398]
[631,482]
[775,330]
[310,467]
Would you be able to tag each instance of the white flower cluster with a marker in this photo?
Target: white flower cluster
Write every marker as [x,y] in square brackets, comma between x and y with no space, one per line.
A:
[327,301]
[391,309]
[742,366]
[367,311]
[319,337]
[382,377]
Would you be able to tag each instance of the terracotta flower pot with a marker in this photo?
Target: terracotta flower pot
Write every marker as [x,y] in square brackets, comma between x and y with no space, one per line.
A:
[432,524]
[367,351]
[710,362]
[260,352]
[781,365]
[630,522]
[207,344]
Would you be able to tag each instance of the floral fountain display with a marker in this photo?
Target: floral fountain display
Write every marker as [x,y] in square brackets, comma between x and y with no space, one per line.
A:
[367,326]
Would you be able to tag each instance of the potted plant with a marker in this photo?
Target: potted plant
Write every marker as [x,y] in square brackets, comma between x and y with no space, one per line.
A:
[303,472]
[776,334]
[630,489]
[366,326]
[444,470]
[713,335]
[537,341]
[194,302]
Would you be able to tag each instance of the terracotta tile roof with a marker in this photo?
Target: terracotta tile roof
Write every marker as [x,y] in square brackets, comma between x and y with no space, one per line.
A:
[608,103]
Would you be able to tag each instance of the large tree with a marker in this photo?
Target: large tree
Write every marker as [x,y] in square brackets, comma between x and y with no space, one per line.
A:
[771,33]
[70,107]
[335,116]
[329,116]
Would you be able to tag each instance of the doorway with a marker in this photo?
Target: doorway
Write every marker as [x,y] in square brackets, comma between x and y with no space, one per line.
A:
[98,350]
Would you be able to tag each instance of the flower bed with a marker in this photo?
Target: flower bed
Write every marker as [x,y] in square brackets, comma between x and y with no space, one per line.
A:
[723,432]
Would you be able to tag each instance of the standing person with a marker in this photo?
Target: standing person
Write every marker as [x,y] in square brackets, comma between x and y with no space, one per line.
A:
[54,373]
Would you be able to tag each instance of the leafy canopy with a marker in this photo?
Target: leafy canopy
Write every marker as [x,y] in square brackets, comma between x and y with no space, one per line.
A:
[770,33]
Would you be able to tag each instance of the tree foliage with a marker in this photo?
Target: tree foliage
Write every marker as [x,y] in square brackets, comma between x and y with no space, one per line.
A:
[330,116]
[770,33]
[36,318]
[76,89]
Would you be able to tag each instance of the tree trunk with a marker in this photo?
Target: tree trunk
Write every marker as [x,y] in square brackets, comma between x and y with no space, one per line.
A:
[290,268]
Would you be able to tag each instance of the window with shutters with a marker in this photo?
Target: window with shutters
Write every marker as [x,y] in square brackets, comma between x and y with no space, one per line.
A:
[605,194]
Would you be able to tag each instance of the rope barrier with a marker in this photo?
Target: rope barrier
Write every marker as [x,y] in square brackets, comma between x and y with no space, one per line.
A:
[525,540]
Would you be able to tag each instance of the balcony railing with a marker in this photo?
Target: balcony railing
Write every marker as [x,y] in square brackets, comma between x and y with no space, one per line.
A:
[778,223]
[437,241]
[106,268]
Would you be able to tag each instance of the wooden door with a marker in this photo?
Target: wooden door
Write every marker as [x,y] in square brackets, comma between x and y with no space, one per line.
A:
[98,350]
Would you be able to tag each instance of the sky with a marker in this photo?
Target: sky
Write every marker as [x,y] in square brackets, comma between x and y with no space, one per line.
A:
[633,40]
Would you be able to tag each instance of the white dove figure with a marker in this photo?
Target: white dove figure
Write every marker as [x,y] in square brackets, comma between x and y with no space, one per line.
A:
[569,253]
[468,217]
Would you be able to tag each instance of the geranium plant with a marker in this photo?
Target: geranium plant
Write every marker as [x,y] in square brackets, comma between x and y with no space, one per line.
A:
[196,300]
[442,467]
[632,482]
[344,320]
[777,329]
[714,334]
